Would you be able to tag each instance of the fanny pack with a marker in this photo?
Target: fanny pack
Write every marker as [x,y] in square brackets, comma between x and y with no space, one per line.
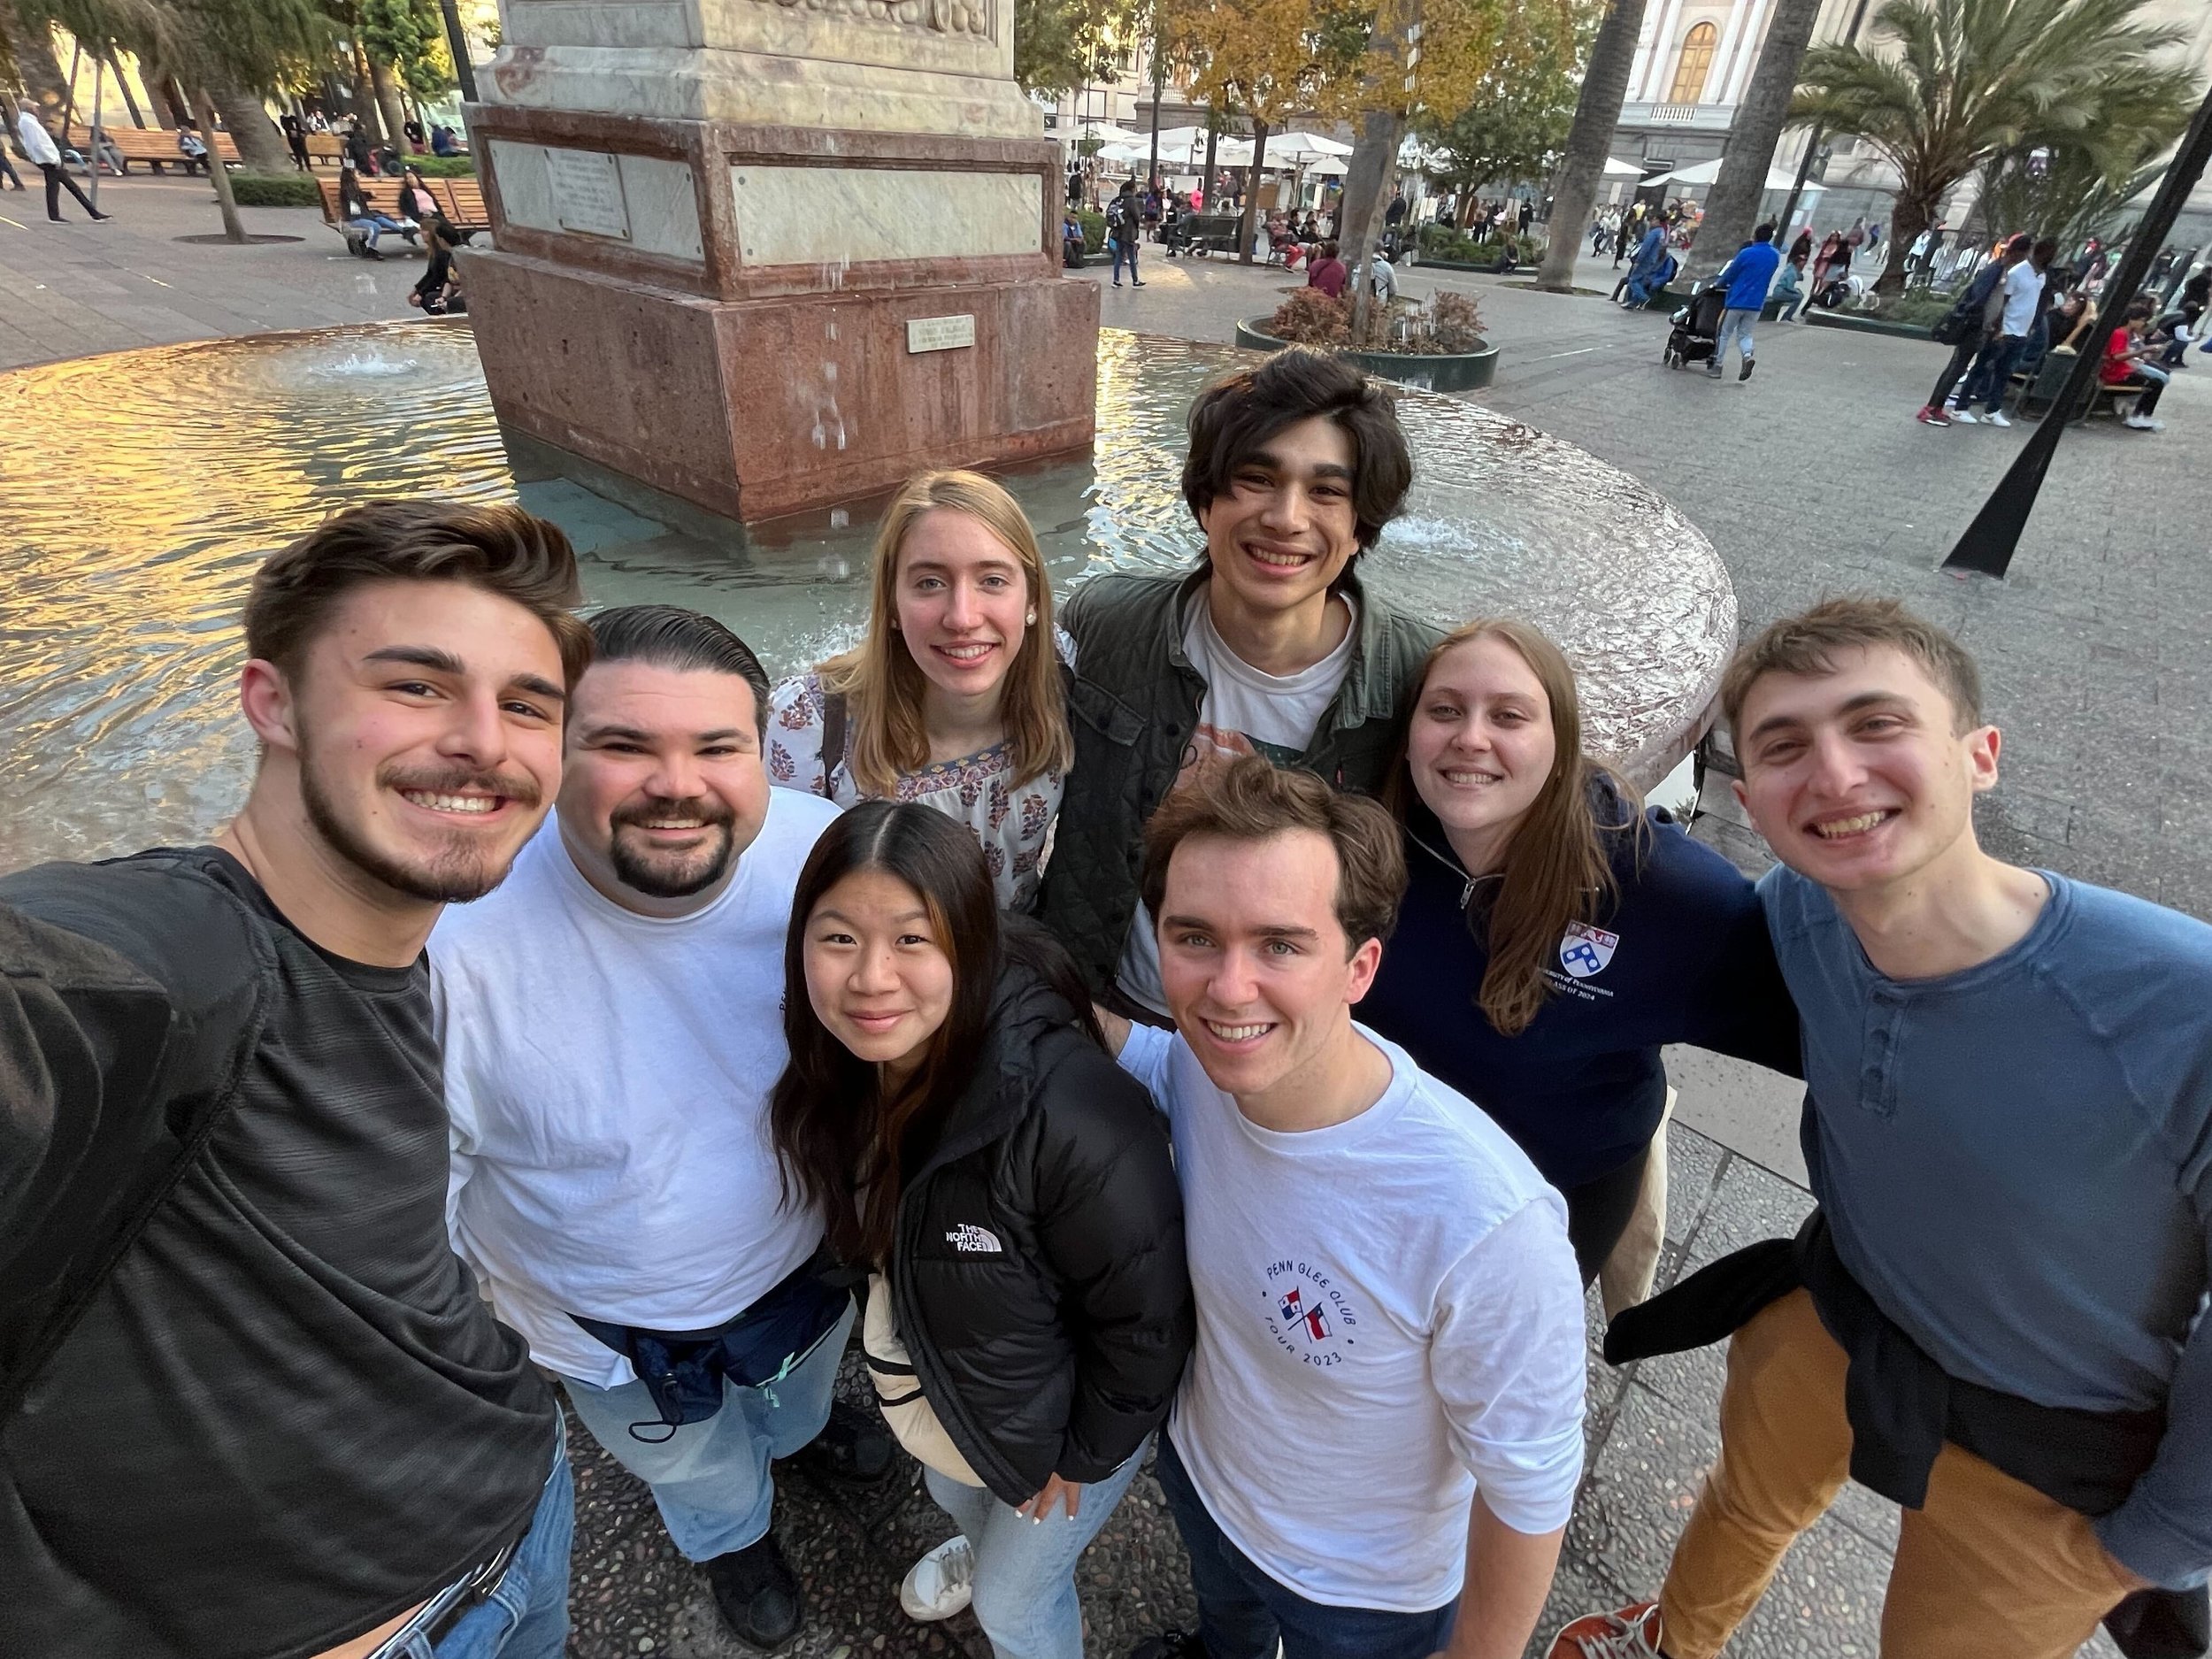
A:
[685,1371]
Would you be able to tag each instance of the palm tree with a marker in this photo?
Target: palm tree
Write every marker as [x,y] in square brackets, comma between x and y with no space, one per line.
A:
[1597,113]
[1970,80]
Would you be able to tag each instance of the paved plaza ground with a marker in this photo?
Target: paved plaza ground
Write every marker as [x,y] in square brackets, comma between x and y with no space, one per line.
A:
[1811,479]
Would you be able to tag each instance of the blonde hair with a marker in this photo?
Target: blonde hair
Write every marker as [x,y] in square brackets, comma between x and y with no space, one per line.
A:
[1558,868]
[881,682]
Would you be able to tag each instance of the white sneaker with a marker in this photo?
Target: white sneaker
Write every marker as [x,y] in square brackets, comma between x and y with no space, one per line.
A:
[1996,417]
[2144,423]
[1966,418]
[942,1583]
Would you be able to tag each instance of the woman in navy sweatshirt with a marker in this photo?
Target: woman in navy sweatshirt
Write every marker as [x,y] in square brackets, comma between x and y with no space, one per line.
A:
[1554,935]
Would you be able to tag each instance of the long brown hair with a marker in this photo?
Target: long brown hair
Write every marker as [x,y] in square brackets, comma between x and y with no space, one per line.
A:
[1557,867]
[881,682]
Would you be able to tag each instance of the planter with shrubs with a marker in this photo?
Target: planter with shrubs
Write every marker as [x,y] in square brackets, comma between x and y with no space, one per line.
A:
[1437,347]
[1500,252]
[274,189]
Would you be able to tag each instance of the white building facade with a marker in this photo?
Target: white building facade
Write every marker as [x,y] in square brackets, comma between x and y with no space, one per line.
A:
[1695,60]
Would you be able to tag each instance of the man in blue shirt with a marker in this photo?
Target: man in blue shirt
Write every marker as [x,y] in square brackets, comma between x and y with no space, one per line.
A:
[1747,276]
[2008,1128]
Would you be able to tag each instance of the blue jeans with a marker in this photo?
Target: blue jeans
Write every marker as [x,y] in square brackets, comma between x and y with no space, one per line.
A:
[1736,325]
[1242,1612]
[1125,247]
[1993,376]
[1025,1570]
[710,1480]
[526,1616]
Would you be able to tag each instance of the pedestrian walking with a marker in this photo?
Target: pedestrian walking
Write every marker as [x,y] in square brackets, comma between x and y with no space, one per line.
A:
[1122,231]
[38,150]
[1748,276]
[296,141]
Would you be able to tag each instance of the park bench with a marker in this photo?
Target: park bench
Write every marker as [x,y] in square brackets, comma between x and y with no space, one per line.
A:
[381,193]
[325,149]
[2041,391]
[460,200]
[156,148]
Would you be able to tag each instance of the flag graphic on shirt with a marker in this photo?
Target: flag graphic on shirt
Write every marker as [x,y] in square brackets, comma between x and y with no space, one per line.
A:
[1295,1311]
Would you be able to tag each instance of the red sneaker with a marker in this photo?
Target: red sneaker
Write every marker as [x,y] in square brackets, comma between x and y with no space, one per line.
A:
[1631,1633]
[1931,416]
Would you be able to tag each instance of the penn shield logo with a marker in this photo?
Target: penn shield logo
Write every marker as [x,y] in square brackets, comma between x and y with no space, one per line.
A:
[971,1240]
[1585,951]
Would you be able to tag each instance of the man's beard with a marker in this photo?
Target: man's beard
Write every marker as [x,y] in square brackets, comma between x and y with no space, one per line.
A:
[463,869]
[674,875]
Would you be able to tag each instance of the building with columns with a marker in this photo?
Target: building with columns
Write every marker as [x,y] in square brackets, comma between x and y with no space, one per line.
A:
[1694,60]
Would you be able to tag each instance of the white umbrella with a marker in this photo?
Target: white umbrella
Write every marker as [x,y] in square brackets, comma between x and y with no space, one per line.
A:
[1329,168]
[1709,172]
[1292,147]
[1616,168]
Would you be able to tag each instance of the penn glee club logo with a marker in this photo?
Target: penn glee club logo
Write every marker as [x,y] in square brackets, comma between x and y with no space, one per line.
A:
[1307,1314]
[1583,951]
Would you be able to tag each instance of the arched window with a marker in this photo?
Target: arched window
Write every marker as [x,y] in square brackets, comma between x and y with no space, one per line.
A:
[1690,68]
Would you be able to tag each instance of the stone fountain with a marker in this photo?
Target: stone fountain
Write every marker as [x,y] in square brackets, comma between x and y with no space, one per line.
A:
[765,255]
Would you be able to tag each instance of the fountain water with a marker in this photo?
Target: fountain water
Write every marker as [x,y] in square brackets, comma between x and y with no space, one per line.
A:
[124,578]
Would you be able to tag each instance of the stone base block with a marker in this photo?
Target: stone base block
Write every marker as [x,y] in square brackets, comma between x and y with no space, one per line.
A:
[757,407]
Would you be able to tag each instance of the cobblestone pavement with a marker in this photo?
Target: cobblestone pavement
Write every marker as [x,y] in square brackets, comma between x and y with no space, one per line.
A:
[1810,479]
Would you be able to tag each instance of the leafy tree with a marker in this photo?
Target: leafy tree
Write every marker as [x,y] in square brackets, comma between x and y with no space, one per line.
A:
[408,37]
[1515,126]
[1268,59]
[1597,113]
[1061,44]
[1965,81]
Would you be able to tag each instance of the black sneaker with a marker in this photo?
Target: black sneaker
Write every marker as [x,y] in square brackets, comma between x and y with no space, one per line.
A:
[757,1594]
[1169,1644]
[853,1449]
[1748,366]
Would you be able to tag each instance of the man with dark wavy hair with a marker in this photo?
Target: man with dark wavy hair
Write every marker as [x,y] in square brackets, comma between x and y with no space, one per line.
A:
[1272,645]
[251,1404]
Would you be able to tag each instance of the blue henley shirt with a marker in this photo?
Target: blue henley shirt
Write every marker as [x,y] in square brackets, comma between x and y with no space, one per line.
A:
[2016,1163]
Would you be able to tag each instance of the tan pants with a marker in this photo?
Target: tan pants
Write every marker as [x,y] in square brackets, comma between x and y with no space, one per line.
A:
[1626,1277]
[1988,1566]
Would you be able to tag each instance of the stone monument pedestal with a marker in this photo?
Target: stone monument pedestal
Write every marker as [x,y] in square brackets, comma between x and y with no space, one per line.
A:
[764,257]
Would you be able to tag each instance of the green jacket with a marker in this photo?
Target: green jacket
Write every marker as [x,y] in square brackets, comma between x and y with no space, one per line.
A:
[1132,708]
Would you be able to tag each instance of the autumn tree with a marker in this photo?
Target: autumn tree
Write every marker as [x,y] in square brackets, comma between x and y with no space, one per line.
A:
[1267,59]
[1061,44]
[1515,126]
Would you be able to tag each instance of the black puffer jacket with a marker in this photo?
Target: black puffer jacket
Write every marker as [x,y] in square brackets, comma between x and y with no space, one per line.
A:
[1037,1271]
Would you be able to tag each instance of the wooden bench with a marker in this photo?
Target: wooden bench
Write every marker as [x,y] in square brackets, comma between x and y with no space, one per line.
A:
[325,149]
[156,147]
[381,195]
[461,201]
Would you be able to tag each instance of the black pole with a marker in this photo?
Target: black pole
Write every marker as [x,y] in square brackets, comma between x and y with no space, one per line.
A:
[457,43]
[1991,540]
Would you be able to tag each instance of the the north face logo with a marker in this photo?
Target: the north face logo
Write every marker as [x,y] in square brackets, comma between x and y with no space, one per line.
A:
[971,1240]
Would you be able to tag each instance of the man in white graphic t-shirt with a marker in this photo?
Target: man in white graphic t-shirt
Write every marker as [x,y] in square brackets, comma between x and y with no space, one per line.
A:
[1378,1441]
[611,1029]
[1271,646]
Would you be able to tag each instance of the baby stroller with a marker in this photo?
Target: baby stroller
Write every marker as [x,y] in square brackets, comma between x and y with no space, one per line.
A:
[1696,328]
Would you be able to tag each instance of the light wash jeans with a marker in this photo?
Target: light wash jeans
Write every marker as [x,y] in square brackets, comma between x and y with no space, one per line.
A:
[1736,325]
[1025,1570]
[710,1480]
[526,1616]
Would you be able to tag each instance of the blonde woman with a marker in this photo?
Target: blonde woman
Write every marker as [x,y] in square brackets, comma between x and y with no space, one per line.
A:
[957,698]
[1585,934]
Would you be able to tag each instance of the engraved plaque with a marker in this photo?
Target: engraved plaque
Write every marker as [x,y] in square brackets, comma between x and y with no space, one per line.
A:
[587,188]
[939,333]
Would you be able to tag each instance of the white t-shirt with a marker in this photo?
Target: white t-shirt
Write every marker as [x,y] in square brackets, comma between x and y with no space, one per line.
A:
[1243,712]
[608,1078]
[2024,284]
[1388,1316]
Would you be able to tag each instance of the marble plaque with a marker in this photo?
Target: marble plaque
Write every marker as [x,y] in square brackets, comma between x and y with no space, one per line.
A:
[586,186]
[939,333]
[788,215]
